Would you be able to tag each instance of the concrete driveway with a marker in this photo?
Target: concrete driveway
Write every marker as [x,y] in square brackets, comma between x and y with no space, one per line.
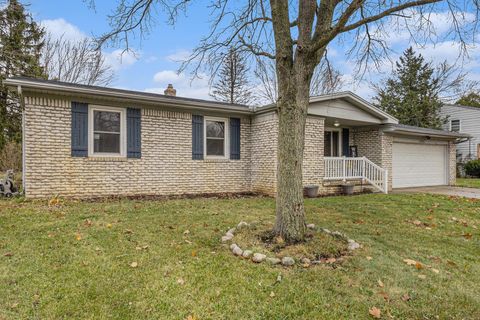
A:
[445,190]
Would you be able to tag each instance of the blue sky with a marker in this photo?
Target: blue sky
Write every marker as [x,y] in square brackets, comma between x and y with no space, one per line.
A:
[154,64]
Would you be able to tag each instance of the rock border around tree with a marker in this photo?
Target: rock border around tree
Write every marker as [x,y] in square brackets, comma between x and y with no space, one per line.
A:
[258,257]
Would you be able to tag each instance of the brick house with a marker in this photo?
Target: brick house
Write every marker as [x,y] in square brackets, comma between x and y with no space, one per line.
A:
[85,141]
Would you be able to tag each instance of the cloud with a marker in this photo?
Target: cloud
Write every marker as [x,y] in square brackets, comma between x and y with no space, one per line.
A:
[120,59]
[197,88]
[179,56]
[60,27]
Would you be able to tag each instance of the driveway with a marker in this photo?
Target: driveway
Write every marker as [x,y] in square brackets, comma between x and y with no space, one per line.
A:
[445,190]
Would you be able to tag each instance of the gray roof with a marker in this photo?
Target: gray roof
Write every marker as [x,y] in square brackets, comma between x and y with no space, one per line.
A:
[462,106]
[80,89]
[402,128]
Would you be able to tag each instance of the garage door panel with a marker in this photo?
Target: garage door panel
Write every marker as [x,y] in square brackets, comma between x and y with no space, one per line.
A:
[416,165]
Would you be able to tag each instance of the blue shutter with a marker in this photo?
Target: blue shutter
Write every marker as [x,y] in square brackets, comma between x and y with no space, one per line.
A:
[134,133]
[234,138]
[197,137]
[346,142]
[79,129]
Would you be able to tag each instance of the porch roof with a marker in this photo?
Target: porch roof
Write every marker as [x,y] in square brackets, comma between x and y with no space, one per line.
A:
[418,131]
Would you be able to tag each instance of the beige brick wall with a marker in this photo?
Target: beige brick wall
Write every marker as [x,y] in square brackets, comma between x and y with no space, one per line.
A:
[264,158]
[452,163]
[376,146]
[166,166]
[313,166]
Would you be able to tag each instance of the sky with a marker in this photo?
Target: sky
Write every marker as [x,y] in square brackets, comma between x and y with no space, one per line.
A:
[154,61]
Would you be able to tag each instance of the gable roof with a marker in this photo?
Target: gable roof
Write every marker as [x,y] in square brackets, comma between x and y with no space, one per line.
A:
[461,106]
[39,85]
[348,96]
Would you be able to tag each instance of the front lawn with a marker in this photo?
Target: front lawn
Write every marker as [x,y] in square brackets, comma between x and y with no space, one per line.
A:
[468,182]
[126,259]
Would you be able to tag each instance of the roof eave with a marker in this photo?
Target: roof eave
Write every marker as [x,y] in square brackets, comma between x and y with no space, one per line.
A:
[137,97]
[419,132]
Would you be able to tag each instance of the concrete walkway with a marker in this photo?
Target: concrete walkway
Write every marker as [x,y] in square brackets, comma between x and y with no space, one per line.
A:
[445,190]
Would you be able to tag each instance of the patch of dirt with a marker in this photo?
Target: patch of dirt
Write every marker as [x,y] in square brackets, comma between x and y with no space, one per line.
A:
[317,245]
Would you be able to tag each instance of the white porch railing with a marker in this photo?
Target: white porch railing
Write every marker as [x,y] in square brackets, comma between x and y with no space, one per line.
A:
[343,168]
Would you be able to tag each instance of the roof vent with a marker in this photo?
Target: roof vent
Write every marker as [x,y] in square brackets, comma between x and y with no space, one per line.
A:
[170,91]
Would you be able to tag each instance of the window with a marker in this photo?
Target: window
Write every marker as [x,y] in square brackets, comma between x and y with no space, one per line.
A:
[215,137]
[331,144]
[455,125]
[106,131]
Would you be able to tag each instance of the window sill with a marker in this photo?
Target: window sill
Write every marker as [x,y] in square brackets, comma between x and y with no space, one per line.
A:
[107,159]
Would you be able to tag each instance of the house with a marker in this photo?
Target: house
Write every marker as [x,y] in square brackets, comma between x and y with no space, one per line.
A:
[85,141]
[464,119]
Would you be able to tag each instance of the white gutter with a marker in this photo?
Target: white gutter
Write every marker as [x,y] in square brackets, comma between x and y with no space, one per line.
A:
[22,107]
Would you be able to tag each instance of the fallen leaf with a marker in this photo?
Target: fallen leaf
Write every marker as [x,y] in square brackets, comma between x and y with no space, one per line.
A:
[138,248]
[180,281]
[194,253]
[134,264]
[380,283]
[375,312]
[186,232]
[384,295]
[406,297]
[14,305]
[187,241]
[369,258]
[467,235]
[422,276]
[331,260]
[8,254]
[272,294]
[410,262]
[128,231]
[88,223]
[418,265]
[435,270]
[190,317]
[417,222]
[109,225]
[78,236]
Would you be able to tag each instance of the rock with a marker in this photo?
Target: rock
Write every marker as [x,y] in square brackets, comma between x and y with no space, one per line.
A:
[237,251]
[306,261]
[316,261]
[241,225]
[337,234]
[233,245]
[327,231]
[247,254]
[311,226]
[232,230]
[228,234]
[226,238]
[273,261]
[258,257]
[288,261]
[353,245]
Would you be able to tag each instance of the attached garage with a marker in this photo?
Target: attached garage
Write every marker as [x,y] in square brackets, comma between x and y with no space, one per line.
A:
[419,164]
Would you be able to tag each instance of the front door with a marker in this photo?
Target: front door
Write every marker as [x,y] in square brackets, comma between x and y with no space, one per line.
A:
[331,143]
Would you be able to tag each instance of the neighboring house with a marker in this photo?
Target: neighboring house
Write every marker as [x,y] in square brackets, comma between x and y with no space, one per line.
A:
[86,141]
[464,119]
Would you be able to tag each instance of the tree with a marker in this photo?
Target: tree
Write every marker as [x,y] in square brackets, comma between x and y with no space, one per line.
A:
[295,34]
[411,94]
[471,99]
[232,84]
[20,49]
[325,79]
[75,62]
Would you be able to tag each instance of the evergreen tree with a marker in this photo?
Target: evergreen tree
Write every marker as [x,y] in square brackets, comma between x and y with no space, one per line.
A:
[411,94]
[21,41]
[232,83]
[471,99]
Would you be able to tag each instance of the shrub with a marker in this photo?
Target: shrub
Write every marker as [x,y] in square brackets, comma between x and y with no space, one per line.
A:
[11,157]
[472,168]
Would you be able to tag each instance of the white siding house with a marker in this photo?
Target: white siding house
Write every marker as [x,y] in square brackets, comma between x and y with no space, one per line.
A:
[466,120]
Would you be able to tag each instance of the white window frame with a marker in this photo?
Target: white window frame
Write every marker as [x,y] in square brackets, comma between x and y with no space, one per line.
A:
[226,138]
[123,131]
[459,125]
[340,140]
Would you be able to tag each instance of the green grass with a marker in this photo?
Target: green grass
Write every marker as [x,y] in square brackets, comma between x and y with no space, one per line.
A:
[468,182]
[64,267]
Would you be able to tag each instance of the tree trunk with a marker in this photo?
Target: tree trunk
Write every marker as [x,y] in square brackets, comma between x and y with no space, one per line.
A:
[292,112]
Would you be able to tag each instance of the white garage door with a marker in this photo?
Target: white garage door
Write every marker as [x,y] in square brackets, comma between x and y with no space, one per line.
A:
[416,165]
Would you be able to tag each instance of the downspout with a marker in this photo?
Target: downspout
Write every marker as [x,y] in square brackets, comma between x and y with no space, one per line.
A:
[22,107]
